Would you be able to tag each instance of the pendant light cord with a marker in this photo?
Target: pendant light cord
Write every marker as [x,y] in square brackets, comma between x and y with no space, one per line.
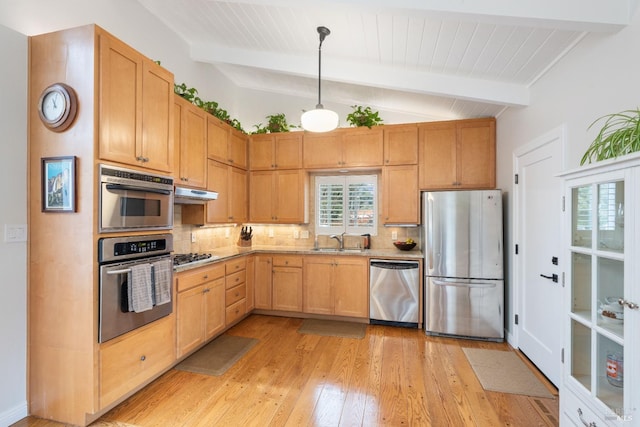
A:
[323,32]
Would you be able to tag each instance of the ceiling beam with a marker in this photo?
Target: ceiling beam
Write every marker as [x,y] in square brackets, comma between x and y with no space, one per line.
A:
[344,71]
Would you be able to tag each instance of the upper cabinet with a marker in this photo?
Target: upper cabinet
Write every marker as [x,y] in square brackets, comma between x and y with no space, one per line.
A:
[278,197]
[342,148]
[457,154]
[275,151]
[226,144]
[190,125]
[400,144]
[136,108]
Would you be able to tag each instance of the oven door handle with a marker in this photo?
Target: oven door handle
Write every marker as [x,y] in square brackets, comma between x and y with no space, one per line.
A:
[134,188]
[123,271]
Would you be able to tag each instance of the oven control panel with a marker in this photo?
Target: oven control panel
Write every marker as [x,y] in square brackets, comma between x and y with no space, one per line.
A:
[128,247]
[143,247]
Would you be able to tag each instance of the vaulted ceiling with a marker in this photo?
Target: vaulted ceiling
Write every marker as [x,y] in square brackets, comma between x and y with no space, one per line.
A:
[444,59]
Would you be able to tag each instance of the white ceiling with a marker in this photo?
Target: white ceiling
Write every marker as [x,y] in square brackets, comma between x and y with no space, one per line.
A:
[437,58]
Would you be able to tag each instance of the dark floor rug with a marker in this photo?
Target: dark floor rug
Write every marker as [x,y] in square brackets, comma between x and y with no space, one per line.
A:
[505,372]
[333,328]
[218,356]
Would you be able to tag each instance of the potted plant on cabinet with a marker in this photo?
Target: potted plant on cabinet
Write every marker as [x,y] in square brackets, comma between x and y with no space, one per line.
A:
[363,116]
[619,135]
[276,123]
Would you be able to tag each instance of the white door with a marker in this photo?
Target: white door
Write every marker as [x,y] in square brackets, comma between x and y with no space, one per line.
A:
[537,266]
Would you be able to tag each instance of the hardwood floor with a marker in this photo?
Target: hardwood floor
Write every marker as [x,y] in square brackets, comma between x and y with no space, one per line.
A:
[392,377]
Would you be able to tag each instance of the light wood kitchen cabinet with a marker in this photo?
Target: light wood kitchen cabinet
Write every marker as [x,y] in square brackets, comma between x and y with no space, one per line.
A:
[263,277]
[236,291]
[457,154]
[341,148]
[336,286]
[275,151]
[136,107]
[134,358]
[191,144]
[250,284]
[287,283]
[400,195]
[226,144]
[200,306]
[400,144]
[278,196]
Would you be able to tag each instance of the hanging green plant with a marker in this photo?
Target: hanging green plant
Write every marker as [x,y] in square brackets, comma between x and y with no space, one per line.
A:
[276,123]
[363,117]
[619,135]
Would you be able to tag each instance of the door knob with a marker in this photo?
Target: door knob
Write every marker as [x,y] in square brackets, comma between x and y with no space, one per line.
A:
[553,277]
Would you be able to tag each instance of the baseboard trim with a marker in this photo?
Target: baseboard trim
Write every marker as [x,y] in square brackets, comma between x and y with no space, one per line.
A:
[13,415]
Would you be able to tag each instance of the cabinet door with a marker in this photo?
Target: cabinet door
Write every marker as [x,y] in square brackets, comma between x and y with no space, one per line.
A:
[238,149]
[288,150]
[290,195]
[190,314]
[193,147]
[362,147]
[317,294]
[237,194]
[261,190]
[120,102]
[157,117]
[400,144]
[437,155]
[250,283]
[400,195]
[351,287]
[322,150]
[218,176]
[262,284]
[217,139]
[214,301]
[287,289]
[261,152]
[476,158]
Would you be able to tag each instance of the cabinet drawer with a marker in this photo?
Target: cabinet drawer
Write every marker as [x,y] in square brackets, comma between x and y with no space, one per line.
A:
[575,410]
[191,278]
[236,311]
[236,279]
[287,261]
[236,265]
[128,362]
[235,294]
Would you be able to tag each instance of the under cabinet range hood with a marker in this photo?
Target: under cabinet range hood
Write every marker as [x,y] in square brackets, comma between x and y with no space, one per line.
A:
[192,196]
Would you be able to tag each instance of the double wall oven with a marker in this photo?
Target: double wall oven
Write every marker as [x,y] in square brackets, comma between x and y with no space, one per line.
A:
[135,270]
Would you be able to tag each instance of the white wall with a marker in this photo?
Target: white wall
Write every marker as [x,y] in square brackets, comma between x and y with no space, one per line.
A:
[13,210]
[598,77]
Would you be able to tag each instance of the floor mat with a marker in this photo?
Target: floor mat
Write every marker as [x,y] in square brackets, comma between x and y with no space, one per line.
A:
[505,372]
[218,356]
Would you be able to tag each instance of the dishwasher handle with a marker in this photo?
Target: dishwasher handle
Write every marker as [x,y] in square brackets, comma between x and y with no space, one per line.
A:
[394,265]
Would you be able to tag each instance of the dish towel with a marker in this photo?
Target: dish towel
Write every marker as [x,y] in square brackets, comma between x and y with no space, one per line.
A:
[139,284]
[162,277]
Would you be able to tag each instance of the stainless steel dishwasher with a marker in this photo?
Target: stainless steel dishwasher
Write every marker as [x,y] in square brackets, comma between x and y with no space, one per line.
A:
[394,292]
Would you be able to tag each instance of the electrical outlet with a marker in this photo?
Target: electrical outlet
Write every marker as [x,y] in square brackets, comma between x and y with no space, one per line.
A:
[304,234]
[296,234]
[227,233]
[394,235]
[271,232]
[193,237]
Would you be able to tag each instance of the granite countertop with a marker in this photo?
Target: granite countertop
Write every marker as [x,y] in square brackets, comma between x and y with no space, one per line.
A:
[228,252]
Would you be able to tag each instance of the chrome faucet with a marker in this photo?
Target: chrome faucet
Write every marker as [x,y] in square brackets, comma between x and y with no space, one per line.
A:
[339,238]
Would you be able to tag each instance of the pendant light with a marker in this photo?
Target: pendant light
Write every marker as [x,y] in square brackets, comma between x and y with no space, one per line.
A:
[320,120]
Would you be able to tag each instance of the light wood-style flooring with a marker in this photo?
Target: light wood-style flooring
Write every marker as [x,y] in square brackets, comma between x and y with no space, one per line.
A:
[392,377]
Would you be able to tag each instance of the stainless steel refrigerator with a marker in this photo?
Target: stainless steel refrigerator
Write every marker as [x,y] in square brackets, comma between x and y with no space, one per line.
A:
[463,247]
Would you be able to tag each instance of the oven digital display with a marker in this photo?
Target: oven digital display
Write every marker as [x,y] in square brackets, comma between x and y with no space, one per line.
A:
[132,206]
[139,247]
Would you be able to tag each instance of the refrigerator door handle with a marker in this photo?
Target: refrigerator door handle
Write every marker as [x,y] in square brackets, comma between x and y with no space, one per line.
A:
[463,284]
[429,234]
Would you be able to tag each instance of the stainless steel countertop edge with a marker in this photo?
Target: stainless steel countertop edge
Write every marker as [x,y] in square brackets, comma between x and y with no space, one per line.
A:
[229,252]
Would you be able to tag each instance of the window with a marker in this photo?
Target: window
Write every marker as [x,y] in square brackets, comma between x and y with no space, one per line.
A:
[347,204]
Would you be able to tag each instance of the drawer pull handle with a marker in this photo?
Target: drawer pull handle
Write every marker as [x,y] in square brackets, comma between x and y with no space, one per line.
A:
[591,424]
[143,358]
[206,276]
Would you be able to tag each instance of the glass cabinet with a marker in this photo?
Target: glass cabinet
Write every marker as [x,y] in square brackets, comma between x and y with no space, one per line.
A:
[601,363]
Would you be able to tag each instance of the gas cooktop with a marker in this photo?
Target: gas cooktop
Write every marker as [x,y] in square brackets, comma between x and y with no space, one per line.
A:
[191,258]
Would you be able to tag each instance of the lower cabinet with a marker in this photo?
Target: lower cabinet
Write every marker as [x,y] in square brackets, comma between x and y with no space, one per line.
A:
[336,285]
[262,282]
[236,290]
[286,284]
[200,306]
[134,358]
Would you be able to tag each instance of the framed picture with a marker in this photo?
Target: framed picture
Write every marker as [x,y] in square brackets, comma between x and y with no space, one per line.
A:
[59,184]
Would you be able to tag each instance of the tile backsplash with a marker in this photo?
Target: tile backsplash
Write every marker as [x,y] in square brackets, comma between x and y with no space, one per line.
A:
[208,238]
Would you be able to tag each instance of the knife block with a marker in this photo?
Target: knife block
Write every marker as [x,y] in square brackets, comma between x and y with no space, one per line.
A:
[244,243]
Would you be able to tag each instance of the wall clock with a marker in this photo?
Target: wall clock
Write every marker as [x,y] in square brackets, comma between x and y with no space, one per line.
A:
[57,106]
